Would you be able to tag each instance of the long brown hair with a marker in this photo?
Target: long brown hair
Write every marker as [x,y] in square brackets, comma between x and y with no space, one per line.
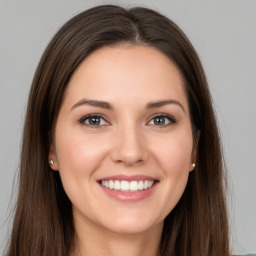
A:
[43,223]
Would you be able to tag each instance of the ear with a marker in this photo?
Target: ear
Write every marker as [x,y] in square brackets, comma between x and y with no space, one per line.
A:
[194,151]
[54,165]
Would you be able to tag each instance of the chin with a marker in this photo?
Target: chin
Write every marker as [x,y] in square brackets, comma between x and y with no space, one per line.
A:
[131,225]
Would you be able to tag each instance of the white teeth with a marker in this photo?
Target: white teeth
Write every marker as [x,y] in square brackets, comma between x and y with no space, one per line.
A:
[124,185]
[117,185]
[145,185]
[133,186]
[140,185]
[111,184]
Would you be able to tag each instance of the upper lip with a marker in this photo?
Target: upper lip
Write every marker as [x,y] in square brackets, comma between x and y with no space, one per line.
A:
[129,177]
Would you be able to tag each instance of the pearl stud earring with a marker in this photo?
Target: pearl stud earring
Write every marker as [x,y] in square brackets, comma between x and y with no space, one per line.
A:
[193,165]
[51,162]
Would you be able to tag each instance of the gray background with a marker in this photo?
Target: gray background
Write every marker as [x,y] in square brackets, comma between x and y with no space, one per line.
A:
[223,33]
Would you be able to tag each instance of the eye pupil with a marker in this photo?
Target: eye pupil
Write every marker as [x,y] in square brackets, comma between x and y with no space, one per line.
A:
[159,120]
[94,121]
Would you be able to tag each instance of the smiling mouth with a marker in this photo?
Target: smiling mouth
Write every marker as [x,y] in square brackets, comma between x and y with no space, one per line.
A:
[127,186]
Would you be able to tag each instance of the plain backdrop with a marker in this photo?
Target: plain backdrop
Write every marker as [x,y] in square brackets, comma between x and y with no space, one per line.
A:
[224,35]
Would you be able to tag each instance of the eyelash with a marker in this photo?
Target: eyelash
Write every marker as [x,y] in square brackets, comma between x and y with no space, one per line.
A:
[170,118]
[83,120]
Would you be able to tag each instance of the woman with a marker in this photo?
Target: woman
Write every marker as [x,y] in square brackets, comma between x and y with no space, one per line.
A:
[121,152]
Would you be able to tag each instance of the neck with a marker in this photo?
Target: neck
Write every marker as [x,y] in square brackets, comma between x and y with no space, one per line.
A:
[90,240]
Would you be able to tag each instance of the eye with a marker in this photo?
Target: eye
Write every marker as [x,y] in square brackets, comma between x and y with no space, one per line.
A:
[93,120]
[162,120]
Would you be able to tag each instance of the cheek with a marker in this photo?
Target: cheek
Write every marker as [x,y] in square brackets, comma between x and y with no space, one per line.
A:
[174,158]
[175,154]
[78,154]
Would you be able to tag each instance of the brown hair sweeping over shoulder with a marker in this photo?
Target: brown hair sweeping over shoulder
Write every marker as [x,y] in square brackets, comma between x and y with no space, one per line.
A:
[43,223]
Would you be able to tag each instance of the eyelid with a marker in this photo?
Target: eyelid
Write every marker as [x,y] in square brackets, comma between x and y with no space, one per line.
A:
[82,120]
[171,118]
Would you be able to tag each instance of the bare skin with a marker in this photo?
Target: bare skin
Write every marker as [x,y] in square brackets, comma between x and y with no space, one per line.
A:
[91,244]
[124,118]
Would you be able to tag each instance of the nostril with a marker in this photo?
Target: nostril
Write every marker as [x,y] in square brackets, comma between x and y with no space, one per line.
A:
[128,146]
[129,155]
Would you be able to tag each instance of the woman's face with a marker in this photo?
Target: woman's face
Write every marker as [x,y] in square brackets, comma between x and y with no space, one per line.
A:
[123,140]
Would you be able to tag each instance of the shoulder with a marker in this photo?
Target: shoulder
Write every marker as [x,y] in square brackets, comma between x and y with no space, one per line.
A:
[246,255]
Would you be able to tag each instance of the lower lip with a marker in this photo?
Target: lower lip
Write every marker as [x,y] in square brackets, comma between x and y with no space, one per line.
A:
[132,196]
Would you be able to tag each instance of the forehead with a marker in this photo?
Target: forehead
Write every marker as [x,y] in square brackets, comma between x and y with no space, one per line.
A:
[128,72]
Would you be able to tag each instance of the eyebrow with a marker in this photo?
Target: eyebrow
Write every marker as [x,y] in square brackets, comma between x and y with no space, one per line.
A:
[158,104]
[94,103]
[106,105]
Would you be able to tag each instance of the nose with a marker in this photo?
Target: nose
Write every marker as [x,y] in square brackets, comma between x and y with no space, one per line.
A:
[129,146]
